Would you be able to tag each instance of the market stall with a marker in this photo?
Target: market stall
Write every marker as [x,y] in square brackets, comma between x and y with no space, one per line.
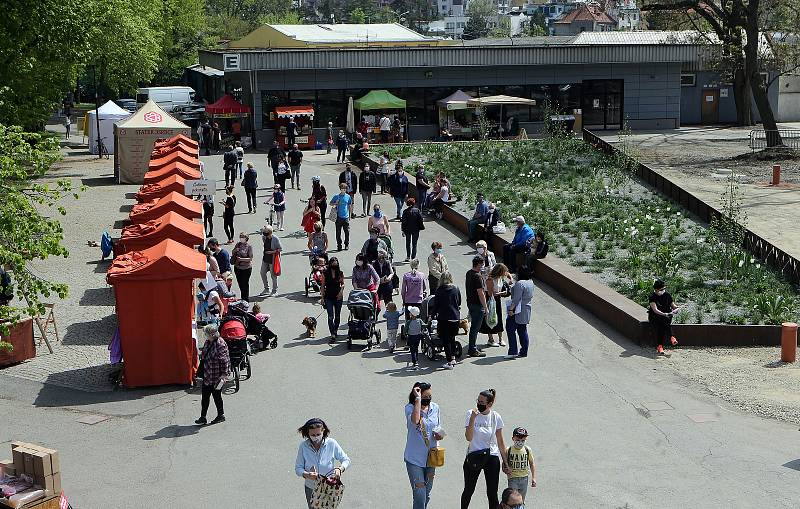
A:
[304,119]
[109,113]
[135,137]
[139,236]
[161,188]
[499,129]
[233,114]
[154,304]
[456,115]
[173,202]
[176,167]
[381,100]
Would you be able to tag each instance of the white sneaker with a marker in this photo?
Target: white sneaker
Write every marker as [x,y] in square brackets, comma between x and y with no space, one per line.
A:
[491,343]
[447,365]
[511,356]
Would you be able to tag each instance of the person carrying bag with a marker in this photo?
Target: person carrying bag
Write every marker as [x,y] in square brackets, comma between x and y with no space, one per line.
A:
[422,453]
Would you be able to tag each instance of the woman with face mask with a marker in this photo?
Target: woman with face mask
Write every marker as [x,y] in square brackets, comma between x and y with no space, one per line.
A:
[487,449]
[489,260]
[437,265]
[385,271]
[332,290]
[242,259]
[423,433]
[318,455]
[378,220]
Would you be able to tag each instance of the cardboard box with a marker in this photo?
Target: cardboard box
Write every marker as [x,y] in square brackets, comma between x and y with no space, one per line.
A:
[19,460]
[7,467]
[27,455]
[55,461]
[42,466]
[51,483]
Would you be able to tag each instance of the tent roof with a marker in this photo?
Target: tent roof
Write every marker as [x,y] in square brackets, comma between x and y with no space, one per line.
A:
[151,116]
[161,188]
[175,155]
[173,202]
[498,100]
[163,151]
[169,226]
[379,100]
[226,104]
[175,141]
[168,259]
[110,110]
[458,96]
[174,168]
[294,111]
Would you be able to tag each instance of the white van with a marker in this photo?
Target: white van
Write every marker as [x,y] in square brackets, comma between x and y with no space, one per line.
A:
[166,97]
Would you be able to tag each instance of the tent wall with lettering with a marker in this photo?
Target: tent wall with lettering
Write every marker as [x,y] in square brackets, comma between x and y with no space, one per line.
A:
[134,139]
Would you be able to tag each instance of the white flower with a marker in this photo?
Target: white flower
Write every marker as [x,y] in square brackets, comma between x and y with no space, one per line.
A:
[659,210]
[498,202]
[648,216]
[626,221]
[652,228]
[677,213]
[669,209]
[636,220]
[741,263]
[758,265]
[752,260]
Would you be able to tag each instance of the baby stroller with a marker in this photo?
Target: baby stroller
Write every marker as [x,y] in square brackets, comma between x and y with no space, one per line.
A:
[387,239]
[314,279]
[431,345]
[361,322]
[264,338]
[232,329]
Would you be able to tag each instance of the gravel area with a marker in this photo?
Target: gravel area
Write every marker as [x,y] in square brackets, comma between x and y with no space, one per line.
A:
[752,378]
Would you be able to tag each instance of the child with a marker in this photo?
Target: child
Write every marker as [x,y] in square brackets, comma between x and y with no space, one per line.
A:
[520,461]
[278,199]
[261,317]
[392,316]
[414,329]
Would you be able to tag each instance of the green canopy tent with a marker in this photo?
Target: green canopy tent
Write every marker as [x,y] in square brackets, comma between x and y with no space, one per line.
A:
[381,100]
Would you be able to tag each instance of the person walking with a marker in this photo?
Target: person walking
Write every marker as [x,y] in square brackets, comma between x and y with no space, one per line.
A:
[372,246]
[317,456]
[239,158]
[229,163]
[487,449]
[216,365]
[398,187]
[311,215]
[216,135]
[250,183]
[221,255]
[295,157]
[414,287]
[208,214]
[67,126]
[437,265]
[344,209]
[489,260]
[378,220]
[522,464]
[386,273]
[332,295]
[520,309]
[367,185]
[291,132]
[242,259]
[274,156]
[320,196]
[414,335]
[385,124]
[447,309]
[423,427]
[498,283]
[331,137]
[278,200]
[341,147]
[661,308]
[383,170]
[206,137]
[272,250]
[411,224]
[476,303]
[349,177]
[229,213]
[282,173]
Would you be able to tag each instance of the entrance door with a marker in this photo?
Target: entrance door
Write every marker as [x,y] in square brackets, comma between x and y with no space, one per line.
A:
[601,101]
[709,107]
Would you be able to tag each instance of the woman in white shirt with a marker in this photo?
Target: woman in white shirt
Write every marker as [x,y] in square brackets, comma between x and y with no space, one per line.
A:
[487,449]
[318,455]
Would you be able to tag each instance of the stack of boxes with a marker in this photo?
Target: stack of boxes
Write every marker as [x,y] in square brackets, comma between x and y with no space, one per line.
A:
[40,463]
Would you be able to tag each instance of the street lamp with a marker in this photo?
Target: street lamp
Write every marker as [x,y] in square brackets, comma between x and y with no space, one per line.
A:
[96,109]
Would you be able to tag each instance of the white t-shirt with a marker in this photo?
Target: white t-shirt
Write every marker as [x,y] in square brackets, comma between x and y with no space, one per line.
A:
[386,124]
[445,193]
[483,435]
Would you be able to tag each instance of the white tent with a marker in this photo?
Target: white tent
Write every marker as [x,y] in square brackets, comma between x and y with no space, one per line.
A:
[135,137]
[109,114]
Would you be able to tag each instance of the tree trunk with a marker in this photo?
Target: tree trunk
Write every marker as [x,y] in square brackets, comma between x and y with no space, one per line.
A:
[742,96]
[756,84]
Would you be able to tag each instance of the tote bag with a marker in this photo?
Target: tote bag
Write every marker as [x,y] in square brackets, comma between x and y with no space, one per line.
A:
[491,318]
[327,493]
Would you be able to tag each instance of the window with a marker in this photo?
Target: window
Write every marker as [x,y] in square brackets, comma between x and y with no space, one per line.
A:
[688,80]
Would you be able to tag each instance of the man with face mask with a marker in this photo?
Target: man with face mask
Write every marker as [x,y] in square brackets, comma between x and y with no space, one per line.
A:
[372,246]
[659,313]
[398,187]
[344,209]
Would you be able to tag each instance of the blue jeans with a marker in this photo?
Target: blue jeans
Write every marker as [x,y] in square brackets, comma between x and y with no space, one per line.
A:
[334,309]
[398,200]
[520,484]
[514,330]
[476,316]
[421,479]
[472,228]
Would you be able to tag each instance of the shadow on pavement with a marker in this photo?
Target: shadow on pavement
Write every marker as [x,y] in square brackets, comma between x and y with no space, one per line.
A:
[101,266]
[93,332]
[97,296]
[108,180]
[305,341]
[126,208]
[174,431]
[130,196]
[794,464]
[338,349]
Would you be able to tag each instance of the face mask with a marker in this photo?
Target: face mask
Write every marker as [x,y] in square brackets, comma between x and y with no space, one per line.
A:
[439,251]
[373,236]
[660,292]
[481,250]
[520,506]
[481,408]
[315,438]
[377,213]
[334,267]
[359,263]
[425,401]
[242,239]
[519,444]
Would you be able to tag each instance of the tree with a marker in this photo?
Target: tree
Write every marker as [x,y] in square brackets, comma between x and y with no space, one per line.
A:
[249,11]
[41,46]
[479,12]
[535,26]
[184,30]
[26,232]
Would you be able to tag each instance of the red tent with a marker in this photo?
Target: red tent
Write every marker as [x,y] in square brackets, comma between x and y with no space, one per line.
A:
[171,225]
[161,188]
[175,140]
[227,104]
[153,291]
[188,150]
[175,155]
[173,168]
[173,202]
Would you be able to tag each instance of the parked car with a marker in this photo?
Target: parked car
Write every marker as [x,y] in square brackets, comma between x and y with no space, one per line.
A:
[127,104]
[190,112]
[168,98]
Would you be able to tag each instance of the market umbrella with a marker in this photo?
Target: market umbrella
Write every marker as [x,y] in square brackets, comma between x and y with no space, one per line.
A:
[351,124]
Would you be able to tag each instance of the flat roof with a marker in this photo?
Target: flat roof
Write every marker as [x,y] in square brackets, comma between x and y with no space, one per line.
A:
[350,33]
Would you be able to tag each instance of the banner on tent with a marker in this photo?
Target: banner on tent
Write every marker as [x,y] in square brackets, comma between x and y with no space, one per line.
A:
[200,187]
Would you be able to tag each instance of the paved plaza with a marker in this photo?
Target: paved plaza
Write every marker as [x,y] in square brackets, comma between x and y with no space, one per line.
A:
[610,426]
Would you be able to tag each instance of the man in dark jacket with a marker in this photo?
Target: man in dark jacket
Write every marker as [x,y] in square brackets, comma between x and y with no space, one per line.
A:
[341,147]
[492,218]
[398,187]
[295,158]
[250,183]
[367,182]
[349,178]
[411,224]
[274,156]
[229,162]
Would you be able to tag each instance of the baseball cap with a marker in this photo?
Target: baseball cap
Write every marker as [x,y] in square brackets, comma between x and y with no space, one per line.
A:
[519,219]
[315,178]
[413,311]
[520,432]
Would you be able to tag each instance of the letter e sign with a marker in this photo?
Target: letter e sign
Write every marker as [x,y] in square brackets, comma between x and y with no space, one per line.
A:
[230,62]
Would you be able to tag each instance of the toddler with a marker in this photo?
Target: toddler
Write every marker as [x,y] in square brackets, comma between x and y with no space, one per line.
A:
[520,462]
[261,317]
[392,316]
[414,330]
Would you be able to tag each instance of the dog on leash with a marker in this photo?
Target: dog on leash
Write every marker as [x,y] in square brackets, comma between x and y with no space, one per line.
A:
[463,324]
[310,324]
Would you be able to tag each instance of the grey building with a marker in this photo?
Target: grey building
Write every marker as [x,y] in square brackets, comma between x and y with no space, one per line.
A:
[613,78]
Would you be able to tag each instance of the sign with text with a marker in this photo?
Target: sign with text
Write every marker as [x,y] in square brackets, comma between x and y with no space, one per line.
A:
[230,62]
[199,187]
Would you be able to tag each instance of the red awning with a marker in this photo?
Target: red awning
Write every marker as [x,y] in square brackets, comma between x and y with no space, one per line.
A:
[226,105]
[294,111]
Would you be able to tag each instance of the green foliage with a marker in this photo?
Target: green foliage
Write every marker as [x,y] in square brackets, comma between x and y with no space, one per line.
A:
[26,233]
[184,29]
[535,26]
[478,24]
[357,16]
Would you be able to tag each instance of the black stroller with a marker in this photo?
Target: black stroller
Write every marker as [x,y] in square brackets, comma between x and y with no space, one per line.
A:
[431,345]
[232,330]
[361,322]
[264,338]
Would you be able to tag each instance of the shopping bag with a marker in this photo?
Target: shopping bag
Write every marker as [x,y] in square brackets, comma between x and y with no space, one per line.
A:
[491,318]
[333,213]
[276,264]
[327,493]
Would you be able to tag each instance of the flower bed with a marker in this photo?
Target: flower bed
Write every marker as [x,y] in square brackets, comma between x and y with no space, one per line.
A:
[599,219]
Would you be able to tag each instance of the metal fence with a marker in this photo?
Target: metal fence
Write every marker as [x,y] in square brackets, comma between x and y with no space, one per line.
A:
[780,260]
[759,138]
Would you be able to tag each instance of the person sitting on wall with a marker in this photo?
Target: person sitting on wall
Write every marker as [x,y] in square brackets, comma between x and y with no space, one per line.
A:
[660,311]
[492,218]
[478,218]
[521,243]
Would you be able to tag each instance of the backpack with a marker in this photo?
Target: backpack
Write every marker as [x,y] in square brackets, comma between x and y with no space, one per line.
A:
[106,244]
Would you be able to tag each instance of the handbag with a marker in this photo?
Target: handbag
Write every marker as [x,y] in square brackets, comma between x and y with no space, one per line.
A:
[500,227]
[491,318]
[333,213]
[395,279]
[327,493]
[435,454]
[276,264]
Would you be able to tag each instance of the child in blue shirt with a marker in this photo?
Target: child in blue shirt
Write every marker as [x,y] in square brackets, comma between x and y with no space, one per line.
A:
[414,330]
[392,316]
